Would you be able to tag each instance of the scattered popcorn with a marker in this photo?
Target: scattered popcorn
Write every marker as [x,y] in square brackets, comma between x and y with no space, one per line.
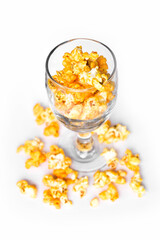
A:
[46,116]
[25,188]
[111,193]
[34,149]
[94,202]
[107,134]
[131,161]
[135,184]
[81,186]
[110,157]
[100,179]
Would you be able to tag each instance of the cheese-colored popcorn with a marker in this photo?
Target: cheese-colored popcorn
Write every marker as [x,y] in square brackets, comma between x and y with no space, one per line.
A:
[112,134]
[116,176]
[111,193]
[57,192]
[136,185]
[46,116]
[82,71]
[37,158]
[34,149]
[57,158]
[31,145]
[94,202]
[131,161]
[25,188]
[81,186]
[100,179]
[110,157]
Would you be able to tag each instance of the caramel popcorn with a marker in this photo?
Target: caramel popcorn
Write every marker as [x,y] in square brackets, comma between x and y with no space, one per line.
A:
[34,149]
[25,188]
[46,116]
[131,161]
[111,193]
[110,157]
[135,184]
[94,202]
[100,179]
[81,186]
[88,75]
[107,134]
[57,192]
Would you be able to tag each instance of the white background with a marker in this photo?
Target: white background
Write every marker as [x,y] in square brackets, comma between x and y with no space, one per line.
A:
[29,30]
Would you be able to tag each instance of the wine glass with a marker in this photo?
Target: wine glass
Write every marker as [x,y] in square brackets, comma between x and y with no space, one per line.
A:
[77,108]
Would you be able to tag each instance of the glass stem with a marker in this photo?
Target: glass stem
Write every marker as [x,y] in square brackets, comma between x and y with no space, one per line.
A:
[84,145]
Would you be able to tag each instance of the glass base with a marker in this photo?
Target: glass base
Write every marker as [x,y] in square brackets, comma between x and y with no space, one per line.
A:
[87,161]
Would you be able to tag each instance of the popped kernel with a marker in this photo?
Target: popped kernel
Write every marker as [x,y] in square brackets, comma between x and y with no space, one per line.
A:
[110,157]
[94,202]
[25,188]
[116,176]
[136,185]
[112,134]
[57,158]
[34,149]
[131,161]
[100,179]
[111,193]
[81,186]
[57,192]
[46,116]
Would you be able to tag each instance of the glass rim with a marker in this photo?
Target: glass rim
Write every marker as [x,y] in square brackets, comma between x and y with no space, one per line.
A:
[73,89]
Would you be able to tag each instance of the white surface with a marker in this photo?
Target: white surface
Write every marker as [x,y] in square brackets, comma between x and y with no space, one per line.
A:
[29,30]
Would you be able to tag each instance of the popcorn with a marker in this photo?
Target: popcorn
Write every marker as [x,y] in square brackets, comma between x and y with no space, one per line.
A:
[81,186]
[25,188]
[100,179]
[82,71]
[107,134]
[57,192]
[34,149]
[46,116]
[131,161]
[111,193]
[135,184]
[110,157]
[116,176]
[94,202]
[60,163]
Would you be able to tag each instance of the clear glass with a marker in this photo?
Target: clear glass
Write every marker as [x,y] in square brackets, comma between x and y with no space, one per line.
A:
[83,147]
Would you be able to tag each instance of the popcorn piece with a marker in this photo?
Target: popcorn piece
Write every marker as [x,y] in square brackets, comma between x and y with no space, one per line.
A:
[31,145]
[131,161]
[81,186]
[25,188]
[34,149]
[57,159]
[116,176]
[111,193]
[110,157]
[94,202]
[100,179]
[52,129]
[46,116]
[57,193]
[135,184]
[112,134]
